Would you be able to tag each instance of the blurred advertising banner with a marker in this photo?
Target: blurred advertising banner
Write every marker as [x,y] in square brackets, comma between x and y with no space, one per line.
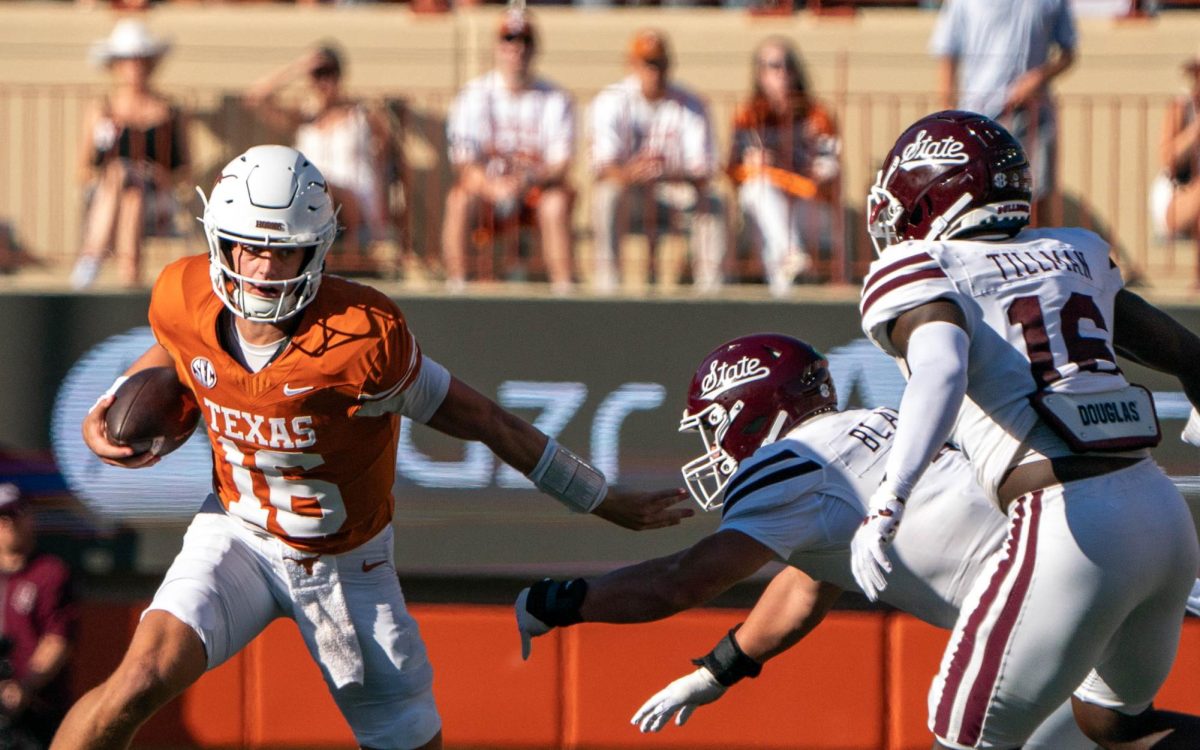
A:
[607,377]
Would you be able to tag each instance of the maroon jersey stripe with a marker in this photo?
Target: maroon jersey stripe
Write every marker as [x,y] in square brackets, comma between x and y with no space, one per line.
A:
[899,281]
[886,271]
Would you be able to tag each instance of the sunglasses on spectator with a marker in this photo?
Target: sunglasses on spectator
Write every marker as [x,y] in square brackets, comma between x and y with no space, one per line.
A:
[325,72]
[658,63]
[512,38]
[773,64]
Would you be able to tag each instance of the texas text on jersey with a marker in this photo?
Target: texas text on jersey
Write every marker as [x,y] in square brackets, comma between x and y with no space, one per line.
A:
[293,452]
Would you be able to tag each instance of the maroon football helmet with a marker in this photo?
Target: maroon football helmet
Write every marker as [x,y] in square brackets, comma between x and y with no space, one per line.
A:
[747,393]
[951,174]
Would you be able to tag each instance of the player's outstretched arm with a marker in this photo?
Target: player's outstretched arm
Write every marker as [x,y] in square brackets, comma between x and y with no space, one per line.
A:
[469,415]
[642,510]
[1151,337]
[643,592]
[934,342]
[792,605]
[95,431]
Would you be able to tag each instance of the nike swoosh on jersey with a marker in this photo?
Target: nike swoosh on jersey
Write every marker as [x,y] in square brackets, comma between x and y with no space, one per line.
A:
[368,567]
[290,391]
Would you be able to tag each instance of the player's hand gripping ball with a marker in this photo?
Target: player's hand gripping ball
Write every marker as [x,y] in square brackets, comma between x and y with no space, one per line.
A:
[152,411]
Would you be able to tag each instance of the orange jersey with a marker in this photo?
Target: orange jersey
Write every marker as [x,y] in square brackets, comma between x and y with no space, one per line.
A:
[289,454]
[792,142]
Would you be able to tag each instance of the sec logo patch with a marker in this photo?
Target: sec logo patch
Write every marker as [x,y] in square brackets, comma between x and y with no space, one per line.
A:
[204,372]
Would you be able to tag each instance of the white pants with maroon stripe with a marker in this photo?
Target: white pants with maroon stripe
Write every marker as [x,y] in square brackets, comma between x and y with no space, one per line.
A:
[1086,595]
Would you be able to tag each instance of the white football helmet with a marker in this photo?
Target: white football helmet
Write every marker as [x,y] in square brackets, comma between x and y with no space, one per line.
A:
[270,196]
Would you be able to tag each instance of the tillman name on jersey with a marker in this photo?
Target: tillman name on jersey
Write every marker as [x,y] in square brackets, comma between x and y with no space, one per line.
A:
[1020,265]
[269,432]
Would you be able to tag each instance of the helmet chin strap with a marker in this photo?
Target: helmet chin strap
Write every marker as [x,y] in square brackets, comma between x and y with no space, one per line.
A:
[776,428]
[940,223]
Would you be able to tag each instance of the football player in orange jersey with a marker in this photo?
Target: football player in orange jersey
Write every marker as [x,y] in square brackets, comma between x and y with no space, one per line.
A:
[302,381]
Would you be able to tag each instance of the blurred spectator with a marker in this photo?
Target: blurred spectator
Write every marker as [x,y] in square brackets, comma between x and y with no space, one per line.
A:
[349,142]
[36,630]
[784,161]
[133,153]
[10,254]
[1175,195]
[654,159]
[998,58]
[511,137]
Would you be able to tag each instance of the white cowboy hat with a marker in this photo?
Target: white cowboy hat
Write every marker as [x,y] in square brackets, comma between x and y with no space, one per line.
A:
[129,39]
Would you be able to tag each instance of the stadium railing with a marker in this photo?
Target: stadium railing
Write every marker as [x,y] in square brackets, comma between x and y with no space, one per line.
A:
[1106,167]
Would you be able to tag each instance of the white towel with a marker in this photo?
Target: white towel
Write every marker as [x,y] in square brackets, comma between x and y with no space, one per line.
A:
[1193,604]
[324,618]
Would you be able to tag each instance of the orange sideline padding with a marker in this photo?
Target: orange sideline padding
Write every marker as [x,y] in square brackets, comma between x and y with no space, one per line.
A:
[487,696]
[914,653]
[826,693]
[1182,690]
[858,682]
[287,702]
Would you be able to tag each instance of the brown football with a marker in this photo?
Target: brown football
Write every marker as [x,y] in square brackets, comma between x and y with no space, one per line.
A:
[152,411]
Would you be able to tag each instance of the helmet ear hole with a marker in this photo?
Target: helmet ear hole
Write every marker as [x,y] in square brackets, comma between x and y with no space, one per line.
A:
[917,216]
[755,425]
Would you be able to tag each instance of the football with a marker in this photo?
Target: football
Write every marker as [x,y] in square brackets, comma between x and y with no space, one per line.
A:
[152,411]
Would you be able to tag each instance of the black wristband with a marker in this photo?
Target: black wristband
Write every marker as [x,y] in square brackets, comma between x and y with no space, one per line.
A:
[557,603]
[727,662]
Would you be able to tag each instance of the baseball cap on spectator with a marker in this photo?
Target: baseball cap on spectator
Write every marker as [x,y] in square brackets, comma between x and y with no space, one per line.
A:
[517,24]
[11,500]
[649,46]
[129,39]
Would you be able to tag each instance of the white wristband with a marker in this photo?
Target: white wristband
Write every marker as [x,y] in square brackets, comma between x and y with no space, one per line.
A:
[572,481]
[112,389]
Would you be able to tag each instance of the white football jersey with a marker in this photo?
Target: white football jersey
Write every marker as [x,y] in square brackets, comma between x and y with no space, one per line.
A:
[488,123]
[675,128]
[805,495]
[1039,311]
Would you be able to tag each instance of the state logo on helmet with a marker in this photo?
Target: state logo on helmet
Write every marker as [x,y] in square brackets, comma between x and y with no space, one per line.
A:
[746,394]
[952,174]
[270,196]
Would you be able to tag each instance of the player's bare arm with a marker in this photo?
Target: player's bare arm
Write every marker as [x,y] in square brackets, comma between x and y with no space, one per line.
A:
[902,328]
[1151,337]
[668,585]
[469,415]
[95,432]
[647,591]
[790,607]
